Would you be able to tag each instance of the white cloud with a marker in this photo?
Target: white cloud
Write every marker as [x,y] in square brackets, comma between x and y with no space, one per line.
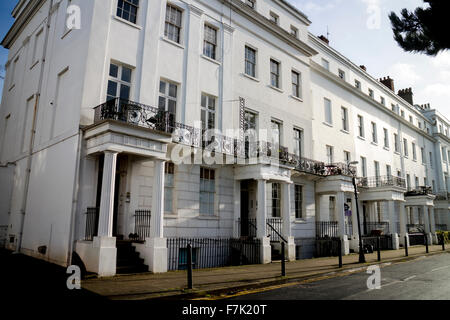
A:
[404,74]
[316,7]
[442,60]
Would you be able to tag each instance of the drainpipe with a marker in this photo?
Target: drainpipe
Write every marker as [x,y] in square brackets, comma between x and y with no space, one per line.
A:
[76,186]
[33,131]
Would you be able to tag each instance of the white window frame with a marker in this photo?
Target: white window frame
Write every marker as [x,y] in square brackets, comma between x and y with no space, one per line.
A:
[207,188]
[328,110]
[248,62]
[177,26]
[297,87]
[119,80]
[210,42]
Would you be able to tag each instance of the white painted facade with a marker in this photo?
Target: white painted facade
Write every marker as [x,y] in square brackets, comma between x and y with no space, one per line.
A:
[56,77]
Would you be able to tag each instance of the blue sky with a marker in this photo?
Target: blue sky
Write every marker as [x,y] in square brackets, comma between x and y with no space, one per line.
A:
[354,33]
[6,21]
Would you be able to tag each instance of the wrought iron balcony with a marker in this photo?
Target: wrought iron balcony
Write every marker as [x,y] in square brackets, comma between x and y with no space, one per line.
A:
[420,191]
[442,195]
[381,181]
[145,116]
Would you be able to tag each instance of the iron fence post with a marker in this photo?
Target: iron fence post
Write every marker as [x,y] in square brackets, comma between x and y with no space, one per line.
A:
[189,266]
[443,242]
[283,260]
[426,243]
[406,246]
[340,252]
[378,248]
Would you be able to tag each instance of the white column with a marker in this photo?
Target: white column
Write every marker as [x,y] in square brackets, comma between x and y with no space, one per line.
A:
[105,223]
[393,225]
[103,254]
[261,216]
[317,199]
[403,222]
[157,218]
[261,210]
[355,217]
[433,226]
[340,215]
[154,251]
[237,208]
[426,219]
[432,220]
[287,216]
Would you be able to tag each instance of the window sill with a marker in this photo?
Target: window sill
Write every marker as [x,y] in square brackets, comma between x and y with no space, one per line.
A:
[127,22]
[250,77]
[374,144]
[205,217]
[396,152]
[172,42]
[300,221]
[296,98]
[328,124]
[12,87]
[362,138]
[276,89]
[345,131]
[211,59]
[386,148]
[170,216]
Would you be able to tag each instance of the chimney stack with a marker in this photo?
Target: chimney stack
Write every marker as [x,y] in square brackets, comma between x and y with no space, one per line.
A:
[363,67]
[324,39]
[407,94]
[388,82]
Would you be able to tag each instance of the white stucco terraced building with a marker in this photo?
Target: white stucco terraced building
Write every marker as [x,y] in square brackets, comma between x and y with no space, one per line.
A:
[92,118]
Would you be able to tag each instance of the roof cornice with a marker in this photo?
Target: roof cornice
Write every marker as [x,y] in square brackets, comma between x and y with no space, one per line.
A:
[317,67]
[296,12]
[32,7]
[263,22]
[365,75]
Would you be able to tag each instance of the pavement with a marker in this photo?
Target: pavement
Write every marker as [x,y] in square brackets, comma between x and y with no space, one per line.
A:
[211,284]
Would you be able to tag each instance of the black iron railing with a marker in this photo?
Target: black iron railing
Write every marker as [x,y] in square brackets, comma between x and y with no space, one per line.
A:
[91,230]
[142,220]
[441,227]
[247,227]
[416,239]
[327,229]
[274,229]
[141,115]
[385,242]
[212,253]
[381,228]
[420,191]
[381,181]
[442,195]
[3,235]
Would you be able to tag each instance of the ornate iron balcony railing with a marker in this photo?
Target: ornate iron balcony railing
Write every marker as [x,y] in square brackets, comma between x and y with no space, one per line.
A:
[420,191]
[381,181]
[145,116]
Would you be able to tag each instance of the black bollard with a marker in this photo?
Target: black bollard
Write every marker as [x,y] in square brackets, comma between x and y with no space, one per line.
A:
[340,253]
[378,248]
[443,242]
[406,246]
[283,260]
[189,266]
[426,243]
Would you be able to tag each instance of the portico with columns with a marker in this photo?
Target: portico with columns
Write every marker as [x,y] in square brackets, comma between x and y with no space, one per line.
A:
[256,207]
[112,139]
[420,215]
[341,189]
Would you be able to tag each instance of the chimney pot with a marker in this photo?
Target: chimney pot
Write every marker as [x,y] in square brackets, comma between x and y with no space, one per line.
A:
[407,94]
[388,82]
[324,39]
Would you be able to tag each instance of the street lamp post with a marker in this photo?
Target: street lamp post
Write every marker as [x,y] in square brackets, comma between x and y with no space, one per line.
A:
[362,258]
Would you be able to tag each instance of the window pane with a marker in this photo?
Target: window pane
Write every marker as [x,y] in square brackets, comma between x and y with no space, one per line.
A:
[126,74]
[112,88]
[124,92]
[173,90]
[113,70]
